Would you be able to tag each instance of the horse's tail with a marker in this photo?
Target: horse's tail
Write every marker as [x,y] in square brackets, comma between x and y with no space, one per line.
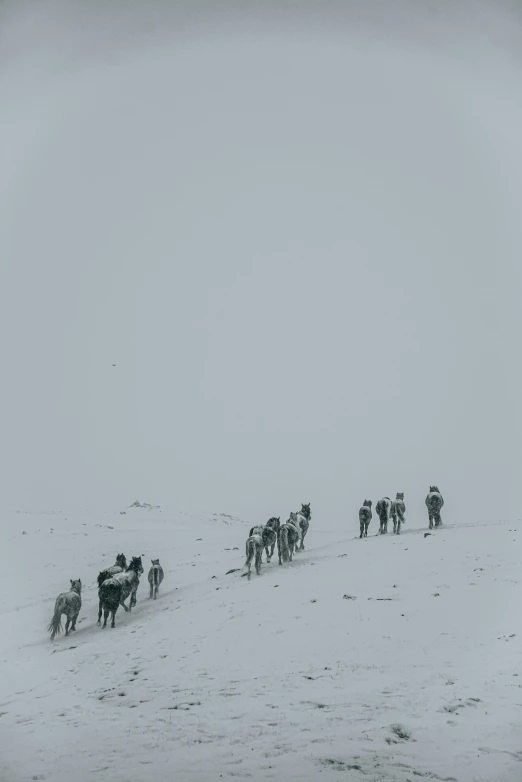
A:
[250,551]
[434,501]
[269,536]
[283,539]
[155,576]
[110,593]
[55,626]
[251,532]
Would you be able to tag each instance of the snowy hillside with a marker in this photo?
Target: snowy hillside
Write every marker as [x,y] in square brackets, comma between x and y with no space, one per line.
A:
[391,658]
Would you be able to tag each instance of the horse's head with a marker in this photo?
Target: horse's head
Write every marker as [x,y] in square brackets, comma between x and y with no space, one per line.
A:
[434,488]
[121,561]
[135,564]
[400,495]
[76,586]
[368,503]
[305,510]
[155,561]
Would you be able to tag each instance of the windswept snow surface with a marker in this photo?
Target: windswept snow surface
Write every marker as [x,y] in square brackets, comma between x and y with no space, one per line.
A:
[391,658]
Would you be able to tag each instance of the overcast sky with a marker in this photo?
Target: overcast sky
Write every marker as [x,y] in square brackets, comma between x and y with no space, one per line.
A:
[296,234]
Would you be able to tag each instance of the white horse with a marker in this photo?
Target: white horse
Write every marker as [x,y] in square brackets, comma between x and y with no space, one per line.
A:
[301,521]
[68,603]
[254,551]
[155,577]
[268,533]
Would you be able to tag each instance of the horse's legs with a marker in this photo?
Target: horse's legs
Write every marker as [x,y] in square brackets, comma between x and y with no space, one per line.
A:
[113,617]
[151,590]
[122,603]
[258,562]
[99,612]
[361,526]
[68,622]
[431,520]
[105,616]
[75,617]
[267,554]
[399,526]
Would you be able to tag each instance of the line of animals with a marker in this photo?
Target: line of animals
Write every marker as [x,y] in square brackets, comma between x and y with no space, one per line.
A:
[396,510]
[115,585]
[290,535]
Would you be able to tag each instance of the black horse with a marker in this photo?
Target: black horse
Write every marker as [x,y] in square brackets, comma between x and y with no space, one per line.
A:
[114,591]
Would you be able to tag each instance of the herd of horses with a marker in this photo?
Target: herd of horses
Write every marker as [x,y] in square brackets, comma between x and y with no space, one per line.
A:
[115,585]
[121,581]
[396,510]
[288,536]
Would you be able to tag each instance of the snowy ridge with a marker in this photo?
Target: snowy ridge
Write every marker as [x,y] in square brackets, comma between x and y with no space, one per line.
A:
[345,664]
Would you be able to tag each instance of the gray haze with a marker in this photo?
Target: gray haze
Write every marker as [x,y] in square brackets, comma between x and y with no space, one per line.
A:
[297,234]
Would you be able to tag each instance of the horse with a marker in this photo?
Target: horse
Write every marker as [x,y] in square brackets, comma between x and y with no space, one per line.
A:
[155,577]
[68,603]
[287,539]
[119,565]
[103,575]
[365,516]
[382,509]
[254,550]
[398,509]
[114,591]
[274,523]
[302,518]
[293,522]
[269,534]
[434,504]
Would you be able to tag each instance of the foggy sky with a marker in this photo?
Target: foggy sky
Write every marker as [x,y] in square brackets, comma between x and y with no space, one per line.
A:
[296,233]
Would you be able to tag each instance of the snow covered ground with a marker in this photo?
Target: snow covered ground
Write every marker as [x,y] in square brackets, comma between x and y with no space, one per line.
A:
[391,658]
